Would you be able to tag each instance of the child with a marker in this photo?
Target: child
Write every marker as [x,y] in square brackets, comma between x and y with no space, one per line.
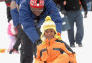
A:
[52,50]
[12,32]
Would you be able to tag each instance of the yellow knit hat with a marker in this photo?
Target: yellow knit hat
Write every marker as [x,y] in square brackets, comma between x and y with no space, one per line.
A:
[48,24]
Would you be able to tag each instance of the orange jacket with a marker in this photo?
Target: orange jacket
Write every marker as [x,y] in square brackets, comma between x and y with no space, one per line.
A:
[50,51]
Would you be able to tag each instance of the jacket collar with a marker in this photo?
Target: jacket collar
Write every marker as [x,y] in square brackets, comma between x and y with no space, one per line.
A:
[50,42]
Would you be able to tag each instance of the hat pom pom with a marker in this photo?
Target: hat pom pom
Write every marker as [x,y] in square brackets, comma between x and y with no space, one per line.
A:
[48,18]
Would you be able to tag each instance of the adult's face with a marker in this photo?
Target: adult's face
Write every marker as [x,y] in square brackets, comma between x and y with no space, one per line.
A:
[37,11]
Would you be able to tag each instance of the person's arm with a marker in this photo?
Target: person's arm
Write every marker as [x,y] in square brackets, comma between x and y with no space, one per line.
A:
[18,41]
[14,13]
[67,46]
[63,47]
[16,46]
[18,3]
[27,22]
[62,4]
[38,58]
[84,5]
[54,13]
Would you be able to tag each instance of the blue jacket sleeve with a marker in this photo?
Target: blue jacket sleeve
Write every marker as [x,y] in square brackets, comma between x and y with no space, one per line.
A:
[54,13]
[15,16]
[18,2]
[28,23]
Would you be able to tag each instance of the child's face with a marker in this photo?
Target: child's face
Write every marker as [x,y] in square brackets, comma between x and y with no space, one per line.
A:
[49,33]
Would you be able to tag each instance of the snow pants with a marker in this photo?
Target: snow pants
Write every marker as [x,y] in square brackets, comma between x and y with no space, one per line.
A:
[63,58]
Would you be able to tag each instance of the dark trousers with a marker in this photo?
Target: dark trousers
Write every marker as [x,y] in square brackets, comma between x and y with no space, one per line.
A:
[8,14]
[26,50]
[75,17]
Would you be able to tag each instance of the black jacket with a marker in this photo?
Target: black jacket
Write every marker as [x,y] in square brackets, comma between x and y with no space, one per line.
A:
[73,5]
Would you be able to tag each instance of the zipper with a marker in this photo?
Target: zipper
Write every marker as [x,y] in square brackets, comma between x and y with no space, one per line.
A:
[48,46]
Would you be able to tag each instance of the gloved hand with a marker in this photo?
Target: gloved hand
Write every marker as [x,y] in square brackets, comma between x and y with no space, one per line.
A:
[37,42]
[73,52]
[45,62]
[85,14]
[13,50]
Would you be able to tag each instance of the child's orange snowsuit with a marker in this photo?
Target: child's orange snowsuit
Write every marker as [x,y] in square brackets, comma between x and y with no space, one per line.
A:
[53,52]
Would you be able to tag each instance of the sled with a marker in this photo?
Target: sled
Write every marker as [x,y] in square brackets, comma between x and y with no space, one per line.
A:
[2,50]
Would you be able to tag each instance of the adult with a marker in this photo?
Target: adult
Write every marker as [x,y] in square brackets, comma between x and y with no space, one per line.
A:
[26,50]
[37,9]
[73,12]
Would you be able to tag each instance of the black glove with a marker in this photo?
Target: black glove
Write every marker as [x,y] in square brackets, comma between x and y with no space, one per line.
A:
[45,62]
[85,14]
[10,52]
[37,42]
[73,52]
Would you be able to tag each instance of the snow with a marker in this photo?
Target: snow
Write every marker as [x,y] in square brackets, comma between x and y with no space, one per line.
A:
[83,54]
[4,42]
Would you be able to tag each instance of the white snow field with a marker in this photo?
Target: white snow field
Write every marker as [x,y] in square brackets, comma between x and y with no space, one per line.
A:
[83,54]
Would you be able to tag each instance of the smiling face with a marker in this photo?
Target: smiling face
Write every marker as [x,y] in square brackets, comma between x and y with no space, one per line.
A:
[49,33]
[37,11]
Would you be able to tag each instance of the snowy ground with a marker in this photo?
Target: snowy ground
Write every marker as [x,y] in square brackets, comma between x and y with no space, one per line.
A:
[83,54]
